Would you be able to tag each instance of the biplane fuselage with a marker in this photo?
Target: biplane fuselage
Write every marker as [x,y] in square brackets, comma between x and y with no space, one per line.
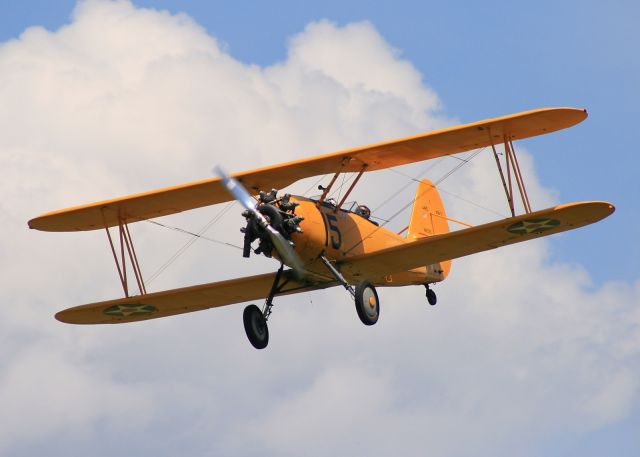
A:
[340,234]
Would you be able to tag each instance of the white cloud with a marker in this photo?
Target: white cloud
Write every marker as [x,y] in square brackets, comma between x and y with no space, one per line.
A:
[124,99]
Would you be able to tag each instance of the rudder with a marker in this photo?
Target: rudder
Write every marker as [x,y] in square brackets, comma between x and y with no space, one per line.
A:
[429,218]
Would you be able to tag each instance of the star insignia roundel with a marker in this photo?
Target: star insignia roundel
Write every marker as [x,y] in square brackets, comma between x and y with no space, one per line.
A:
[533,226]
[129,309]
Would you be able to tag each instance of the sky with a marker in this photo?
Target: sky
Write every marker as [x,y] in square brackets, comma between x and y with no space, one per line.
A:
[532,350]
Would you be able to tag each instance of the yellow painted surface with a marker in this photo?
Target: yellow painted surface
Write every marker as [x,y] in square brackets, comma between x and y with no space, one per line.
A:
[429,218]
[402,151]
[476,239]
[183,300]
[382,262]
[360,249]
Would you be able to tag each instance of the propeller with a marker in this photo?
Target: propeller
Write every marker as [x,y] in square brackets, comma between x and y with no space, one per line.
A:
[281,244]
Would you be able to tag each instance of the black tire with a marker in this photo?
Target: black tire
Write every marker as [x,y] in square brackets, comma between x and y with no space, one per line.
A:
[255,326]
[367,303]
[431,297]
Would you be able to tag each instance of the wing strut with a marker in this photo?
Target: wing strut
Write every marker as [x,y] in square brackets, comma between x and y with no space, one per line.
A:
[353,184]
[326,190]
[513,168]
[126,251]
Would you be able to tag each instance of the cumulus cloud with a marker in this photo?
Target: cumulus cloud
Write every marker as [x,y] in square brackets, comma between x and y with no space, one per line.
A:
[124,99]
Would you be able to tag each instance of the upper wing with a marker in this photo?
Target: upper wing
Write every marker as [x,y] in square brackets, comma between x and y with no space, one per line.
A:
[187,299]
[403,151]
[432,249]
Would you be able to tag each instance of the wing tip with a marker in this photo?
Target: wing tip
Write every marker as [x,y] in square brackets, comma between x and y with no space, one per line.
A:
[71,316]
[608,208]
[600,209]
[62,316]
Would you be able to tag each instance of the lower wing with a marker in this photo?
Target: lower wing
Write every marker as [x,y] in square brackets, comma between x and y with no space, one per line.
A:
[432,249]
[188,299]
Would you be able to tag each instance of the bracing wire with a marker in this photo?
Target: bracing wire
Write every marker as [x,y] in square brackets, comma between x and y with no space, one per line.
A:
[345,180]
[314,185]
[497,213]
[444,191]
[195,237]
[411,181]
[200,235]
[412,201]
[344,176]
[445,176]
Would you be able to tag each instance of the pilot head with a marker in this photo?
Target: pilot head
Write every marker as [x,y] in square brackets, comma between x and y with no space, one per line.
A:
[363,211]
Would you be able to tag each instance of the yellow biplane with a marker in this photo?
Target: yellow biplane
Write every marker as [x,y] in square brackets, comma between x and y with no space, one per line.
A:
[323,242]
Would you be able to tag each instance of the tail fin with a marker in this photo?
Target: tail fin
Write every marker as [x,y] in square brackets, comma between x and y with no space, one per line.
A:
[428,218]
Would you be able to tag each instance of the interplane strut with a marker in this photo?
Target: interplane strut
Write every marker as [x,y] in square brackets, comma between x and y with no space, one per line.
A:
[127,251]
[512,172]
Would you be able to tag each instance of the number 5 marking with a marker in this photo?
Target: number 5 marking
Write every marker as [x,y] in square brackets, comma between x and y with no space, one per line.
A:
[335,242]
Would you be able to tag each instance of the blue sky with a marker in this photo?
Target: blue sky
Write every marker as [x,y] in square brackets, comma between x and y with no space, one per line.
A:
[483,59]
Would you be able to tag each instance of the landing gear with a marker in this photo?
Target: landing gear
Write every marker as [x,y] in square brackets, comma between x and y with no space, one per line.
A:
[255,325]
[255,321]
[367,304]
[364,295]
[431,295]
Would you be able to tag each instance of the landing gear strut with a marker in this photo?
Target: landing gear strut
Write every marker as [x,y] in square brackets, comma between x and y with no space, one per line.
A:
[255,321]
[431,295]
[364,295]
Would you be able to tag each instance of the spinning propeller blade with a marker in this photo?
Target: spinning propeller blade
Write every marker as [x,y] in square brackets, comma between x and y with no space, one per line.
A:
[284,248]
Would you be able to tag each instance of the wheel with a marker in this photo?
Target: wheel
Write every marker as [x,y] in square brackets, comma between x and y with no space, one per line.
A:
[431,297]
[367,304]
[255,325]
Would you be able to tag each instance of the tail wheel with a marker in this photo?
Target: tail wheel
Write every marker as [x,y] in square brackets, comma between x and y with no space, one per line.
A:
[431,296]
[255,325]
[367,304]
